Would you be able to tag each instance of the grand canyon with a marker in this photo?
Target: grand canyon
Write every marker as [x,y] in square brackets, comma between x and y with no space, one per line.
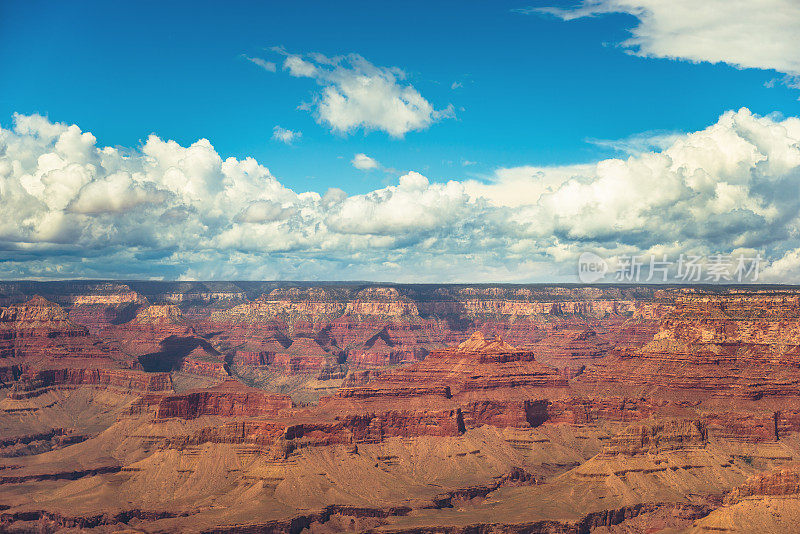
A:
[297,407]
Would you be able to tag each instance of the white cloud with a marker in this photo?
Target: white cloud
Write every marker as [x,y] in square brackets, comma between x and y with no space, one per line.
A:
[413,207]
[115,193]
[363,162]
[268,66]
[640,142]
[284,135]
[71,208]
[355,94]
[262,211]
[760,34]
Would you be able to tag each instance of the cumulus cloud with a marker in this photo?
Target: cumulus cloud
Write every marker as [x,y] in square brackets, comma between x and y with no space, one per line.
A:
[69,207]
[363,162]
[760,34]
[284,135]
[115,193]
[355,94]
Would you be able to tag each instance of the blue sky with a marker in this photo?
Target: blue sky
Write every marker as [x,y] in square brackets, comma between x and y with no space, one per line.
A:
[509,85]
[533,88]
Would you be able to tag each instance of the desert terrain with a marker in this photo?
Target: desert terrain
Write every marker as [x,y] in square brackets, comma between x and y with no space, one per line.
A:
[297,407]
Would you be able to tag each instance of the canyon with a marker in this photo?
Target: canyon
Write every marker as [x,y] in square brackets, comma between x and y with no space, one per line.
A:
[238,407]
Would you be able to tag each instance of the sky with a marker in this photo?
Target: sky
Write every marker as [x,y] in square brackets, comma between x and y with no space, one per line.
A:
[466,141]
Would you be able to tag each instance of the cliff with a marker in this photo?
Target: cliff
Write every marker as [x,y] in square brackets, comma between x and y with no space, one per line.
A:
[38,333]
[477,364]
[36,382]
[228,399]
[741,345]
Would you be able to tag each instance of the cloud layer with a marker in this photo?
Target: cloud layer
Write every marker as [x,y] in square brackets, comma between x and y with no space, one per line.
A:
[759,34]
[69,207]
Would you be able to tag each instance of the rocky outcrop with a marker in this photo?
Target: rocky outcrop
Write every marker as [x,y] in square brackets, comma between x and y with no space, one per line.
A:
[477,364]
[652,437]
[378,351]
[35,383]
[305,355]
[731,345]
[781,482]
[366,392]
[204,361]
[583,410]
[374,428]
[520,414]
[228,399]
[147,331]
[39,333]
[383,302]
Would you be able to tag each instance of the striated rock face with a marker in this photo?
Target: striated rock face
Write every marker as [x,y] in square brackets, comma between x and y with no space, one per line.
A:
[289,306]
[582,411]
[658,436]
[380,350]
[260,354]
[128,381]
[39,334]
[36,317]
[477,364]
[303,355]
[784,481]
[147,331]
[103,305]
[229,399]
[571,345]
[382,302]
[366,392]
[374,428]
[743,345]
[521,414]
[169,314]
[204,361]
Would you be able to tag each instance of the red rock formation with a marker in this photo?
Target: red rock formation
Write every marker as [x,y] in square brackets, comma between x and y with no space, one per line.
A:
[261,354]
[103,306]
[303,355]
[379,351]
[505,413]
[653,437]
[744,345]
[145,333]
[785,481]
[377,427]
[569,345]
[475,365]
[39,334]
[581,410]
[204,361]
[36,382]
[228,399]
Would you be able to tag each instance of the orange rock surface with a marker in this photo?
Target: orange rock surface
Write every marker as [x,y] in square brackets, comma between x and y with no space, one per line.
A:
[398,408]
